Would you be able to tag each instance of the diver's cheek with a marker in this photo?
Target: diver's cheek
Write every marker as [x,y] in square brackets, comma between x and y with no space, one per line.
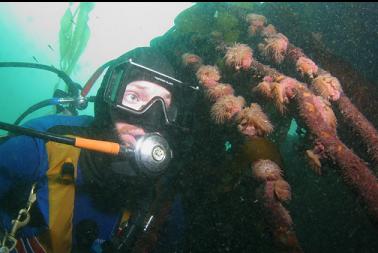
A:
[128,139]
[137,131]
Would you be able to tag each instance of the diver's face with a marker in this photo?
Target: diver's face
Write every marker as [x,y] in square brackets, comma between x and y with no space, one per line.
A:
[138,94]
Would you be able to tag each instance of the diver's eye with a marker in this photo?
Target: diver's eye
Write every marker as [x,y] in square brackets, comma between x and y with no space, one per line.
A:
[131,98]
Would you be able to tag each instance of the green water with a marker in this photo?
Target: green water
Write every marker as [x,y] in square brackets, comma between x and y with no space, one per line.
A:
[30,33]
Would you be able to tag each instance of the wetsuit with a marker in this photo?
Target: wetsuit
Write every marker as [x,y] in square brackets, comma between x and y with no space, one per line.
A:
[62,207]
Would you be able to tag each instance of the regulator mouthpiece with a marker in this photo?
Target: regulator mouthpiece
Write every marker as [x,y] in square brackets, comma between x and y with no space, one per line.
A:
[152,154]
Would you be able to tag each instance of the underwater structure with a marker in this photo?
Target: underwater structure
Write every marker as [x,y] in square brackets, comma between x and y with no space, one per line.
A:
[285,157]
[256,83]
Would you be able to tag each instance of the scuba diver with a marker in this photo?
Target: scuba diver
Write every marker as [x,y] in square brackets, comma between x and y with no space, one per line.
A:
[60,198]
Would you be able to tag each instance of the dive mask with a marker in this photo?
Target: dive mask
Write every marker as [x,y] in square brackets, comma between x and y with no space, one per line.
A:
[141,92]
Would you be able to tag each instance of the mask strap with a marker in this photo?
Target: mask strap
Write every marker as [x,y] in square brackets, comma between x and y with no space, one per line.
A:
[89,84]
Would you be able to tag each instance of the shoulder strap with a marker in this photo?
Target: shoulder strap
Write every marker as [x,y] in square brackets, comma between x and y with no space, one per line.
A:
[61,195]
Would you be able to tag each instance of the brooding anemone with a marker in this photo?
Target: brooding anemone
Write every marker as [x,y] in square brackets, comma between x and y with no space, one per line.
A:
[282,190]
[256,23]
[306,66]
[252,121]
[275,47]
[239,56]
[282,91]
[327,86]
[208,75]
[226,107]
[191,60]
[268,31]
[219,90]
[266,170]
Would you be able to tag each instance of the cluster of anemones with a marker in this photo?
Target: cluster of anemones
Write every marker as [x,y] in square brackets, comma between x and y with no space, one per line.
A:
[282,89]
[320,118]
[257,26]
[316,113]
[227,107]
[272,192]
[276,44]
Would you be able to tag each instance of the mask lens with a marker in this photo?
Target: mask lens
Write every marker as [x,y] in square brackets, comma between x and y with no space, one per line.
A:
[135,88]
[138,95]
